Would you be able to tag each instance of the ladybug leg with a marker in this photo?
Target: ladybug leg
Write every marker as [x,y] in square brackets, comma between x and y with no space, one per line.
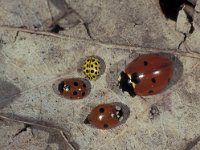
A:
[132,93]
[86,121]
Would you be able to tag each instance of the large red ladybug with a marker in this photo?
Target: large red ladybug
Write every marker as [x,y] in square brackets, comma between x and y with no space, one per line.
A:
[146,75]
[73,88]
[105,116]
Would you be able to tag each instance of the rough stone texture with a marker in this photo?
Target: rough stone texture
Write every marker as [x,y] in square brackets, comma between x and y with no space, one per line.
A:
[196,147]
[117,31]
[183,24]
[192,40]
[16,136]
[122,22]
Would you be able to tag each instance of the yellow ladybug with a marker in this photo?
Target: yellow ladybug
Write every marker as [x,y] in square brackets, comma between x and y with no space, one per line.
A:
[91,68]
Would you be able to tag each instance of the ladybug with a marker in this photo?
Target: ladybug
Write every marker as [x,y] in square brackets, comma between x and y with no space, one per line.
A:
[73,88]
[105,116]
[91,68]
[148,74]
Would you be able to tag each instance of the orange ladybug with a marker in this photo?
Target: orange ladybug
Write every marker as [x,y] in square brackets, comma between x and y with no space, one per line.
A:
[73,88]
[146,75]
[105,116]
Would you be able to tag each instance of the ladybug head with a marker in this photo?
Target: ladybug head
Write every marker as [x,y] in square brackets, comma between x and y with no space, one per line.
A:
[60,87]
[125,84]
[119,112]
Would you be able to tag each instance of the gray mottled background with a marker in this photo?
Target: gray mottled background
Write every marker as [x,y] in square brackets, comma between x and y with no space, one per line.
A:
[32,60]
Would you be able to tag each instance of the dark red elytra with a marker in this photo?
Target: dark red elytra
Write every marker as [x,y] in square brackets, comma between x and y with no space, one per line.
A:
[73,88]
[146,75]
[105,116]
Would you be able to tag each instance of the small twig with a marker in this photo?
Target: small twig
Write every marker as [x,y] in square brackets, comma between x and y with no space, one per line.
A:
[67,140]
[28,124]
[138,48]
[16,35]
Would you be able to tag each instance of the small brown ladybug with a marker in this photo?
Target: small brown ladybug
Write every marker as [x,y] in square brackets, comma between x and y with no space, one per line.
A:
[73,88]
[147,75]
[105,116]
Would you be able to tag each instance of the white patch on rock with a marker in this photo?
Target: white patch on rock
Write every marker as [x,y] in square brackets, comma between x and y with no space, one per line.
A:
[182,24]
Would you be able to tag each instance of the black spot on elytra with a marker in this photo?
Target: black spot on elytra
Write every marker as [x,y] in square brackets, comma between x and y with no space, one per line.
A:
[145,63]
[84,85]
[101,110]
[83,94]
[75,83]
[87,71]
[92,66]
[153,80]
[75,93]
[150,92]
[92,71]
[105,125]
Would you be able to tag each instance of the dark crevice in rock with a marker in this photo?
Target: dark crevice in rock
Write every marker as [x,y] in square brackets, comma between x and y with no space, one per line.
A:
[191,144]
[56,29]
[184,39]
[190,20]
[23,129]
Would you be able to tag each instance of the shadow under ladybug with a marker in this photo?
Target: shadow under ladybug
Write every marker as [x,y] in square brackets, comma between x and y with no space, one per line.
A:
[107,116]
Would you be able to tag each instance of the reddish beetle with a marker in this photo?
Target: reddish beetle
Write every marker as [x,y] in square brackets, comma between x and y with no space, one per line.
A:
[73,88]
[147,75]
[105,116]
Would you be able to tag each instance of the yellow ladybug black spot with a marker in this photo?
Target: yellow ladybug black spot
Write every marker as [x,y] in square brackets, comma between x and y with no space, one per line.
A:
[91,68]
